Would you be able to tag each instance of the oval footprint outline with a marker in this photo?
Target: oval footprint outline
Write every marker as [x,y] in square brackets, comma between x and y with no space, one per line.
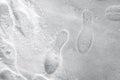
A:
[85,40]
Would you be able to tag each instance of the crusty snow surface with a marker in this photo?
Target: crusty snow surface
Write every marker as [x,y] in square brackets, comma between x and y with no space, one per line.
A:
[60,40]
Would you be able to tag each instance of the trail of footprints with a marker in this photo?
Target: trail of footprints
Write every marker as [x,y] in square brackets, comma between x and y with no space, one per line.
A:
[86,35]
[53,59]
